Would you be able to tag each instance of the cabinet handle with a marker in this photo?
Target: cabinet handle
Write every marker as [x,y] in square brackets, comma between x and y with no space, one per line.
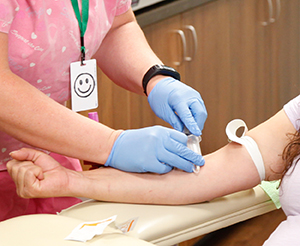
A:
[183,40]
[195,40]
[278,9]
[271,19]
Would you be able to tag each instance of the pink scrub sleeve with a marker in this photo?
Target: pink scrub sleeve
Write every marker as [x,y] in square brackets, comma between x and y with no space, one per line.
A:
[8,9]
[123,6]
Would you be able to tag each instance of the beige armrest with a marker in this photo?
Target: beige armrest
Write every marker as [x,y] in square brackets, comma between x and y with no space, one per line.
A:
[50,230]
[168,225]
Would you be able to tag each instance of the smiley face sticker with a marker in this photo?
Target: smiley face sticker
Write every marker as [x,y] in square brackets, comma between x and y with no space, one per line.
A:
[84,85]
[84,92]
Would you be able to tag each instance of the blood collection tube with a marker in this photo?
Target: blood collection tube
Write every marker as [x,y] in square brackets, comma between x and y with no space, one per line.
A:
[193,143]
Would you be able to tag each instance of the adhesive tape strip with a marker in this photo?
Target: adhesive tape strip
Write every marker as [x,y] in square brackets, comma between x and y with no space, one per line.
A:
[248,142]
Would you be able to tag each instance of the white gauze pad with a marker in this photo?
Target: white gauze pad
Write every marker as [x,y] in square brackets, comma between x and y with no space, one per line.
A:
[248,142]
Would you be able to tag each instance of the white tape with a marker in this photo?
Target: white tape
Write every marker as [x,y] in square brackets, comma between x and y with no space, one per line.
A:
[248,142]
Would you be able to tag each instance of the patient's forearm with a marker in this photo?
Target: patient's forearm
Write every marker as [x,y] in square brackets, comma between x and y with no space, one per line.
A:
[226,171]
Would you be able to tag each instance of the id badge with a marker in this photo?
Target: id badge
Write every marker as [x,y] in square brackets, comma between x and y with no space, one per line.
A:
[84,92]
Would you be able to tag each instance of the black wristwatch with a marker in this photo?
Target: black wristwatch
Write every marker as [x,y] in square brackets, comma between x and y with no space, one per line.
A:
[159,70]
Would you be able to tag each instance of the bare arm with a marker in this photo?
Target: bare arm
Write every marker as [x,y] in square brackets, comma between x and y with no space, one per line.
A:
[34,118]
[229,169]
[124,55]
[131,56]
[272,137]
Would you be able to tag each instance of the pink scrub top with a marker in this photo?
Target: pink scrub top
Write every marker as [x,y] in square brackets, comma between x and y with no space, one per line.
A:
[43,39]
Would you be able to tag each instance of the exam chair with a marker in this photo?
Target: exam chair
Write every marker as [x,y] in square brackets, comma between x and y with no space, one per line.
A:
[155,224]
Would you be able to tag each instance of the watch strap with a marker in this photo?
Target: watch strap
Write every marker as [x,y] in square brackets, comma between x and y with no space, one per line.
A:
[159,70]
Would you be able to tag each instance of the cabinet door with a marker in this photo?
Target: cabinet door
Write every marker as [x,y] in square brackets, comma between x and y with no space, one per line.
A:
[249,61]
[165,41]
[281,50]
[286,49]
[265,56]
[209,70]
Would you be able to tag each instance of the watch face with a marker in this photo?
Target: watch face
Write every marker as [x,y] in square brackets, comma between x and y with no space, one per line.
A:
[160,67]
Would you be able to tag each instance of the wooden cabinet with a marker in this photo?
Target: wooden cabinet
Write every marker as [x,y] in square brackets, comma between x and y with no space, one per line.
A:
[246,64]
[286,50]
[247,61]
[264,56]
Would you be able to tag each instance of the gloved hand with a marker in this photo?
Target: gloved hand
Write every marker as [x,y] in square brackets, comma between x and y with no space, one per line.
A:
[153,149]
[169,96]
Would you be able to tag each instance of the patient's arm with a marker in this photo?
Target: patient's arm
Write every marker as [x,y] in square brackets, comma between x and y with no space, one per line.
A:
[227,170]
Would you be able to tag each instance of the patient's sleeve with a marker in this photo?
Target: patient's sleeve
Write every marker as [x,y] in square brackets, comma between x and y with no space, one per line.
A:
[292,109]
[287,233]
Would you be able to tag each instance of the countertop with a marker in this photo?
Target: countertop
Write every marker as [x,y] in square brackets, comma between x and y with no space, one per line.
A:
[165,10]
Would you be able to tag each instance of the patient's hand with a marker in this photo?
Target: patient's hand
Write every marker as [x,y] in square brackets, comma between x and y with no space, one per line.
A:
[37,174]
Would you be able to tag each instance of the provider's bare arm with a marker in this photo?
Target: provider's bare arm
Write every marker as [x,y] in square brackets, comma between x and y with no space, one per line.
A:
[130,57]
[34,118]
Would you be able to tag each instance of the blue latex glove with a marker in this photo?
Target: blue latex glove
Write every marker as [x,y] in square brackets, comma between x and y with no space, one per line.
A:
[169,96]
[153,149]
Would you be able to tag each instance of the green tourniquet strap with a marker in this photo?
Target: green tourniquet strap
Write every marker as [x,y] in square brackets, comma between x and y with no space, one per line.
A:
[82,20]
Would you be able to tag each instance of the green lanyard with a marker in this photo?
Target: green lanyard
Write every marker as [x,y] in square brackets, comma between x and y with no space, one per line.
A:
[82,21]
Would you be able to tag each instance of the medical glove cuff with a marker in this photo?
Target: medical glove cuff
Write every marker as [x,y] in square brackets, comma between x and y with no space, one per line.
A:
[110,159]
